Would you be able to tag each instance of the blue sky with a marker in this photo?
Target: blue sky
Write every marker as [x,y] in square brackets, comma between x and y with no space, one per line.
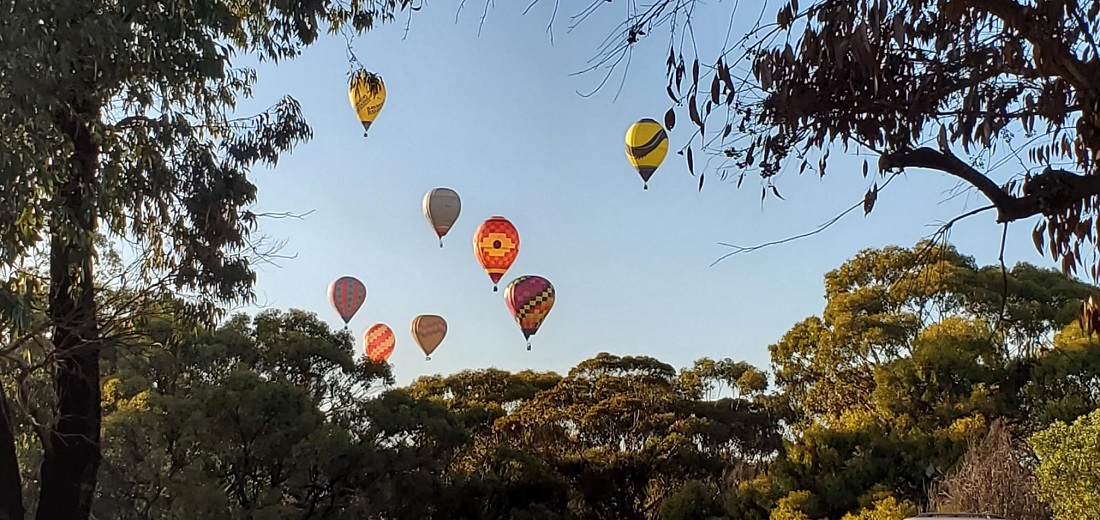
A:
[498,118]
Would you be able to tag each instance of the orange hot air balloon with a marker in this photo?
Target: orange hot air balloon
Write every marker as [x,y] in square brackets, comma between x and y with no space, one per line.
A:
[378,342]
[429,330]
[529,299]
[496,244]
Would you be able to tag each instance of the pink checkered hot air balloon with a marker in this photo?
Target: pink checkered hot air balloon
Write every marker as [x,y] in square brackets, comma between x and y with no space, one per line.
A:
[346,295]
[529,298]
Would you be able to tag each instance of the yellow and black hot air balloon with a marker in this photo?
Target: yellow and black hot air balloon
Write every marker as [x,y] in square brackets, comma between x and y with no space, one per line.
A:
[367,94]
[646,147]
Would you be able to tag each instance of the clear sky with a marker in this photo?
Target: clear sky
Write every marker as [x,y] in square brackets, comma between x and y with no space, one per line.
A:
[498,118]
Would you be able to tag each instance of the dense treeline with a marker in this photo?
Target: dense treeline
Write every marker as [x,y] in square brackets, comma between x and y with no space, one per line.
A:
[924,375]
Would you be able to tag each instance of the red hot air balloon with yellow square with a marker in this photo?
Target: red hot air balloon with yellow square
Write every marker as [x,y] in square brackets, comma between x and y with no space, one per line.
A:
[529,299]
[496,244]
[378,342]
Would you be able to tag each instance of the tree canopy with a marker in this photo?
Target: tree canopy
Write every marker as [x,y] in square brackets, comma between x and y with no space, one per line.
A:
[907,392]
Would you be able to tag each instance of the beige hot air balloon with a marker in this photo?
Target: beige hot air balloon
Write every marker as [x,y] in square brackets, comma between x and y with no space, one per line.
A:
[428,330]
[441,207]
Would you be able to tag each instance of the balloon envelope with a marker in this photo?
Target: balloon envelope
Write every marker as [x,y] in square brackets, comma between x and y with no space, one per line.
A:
[367,95]
[529,299]
[378,342]
[346,295]
[429,330]
[646,147]
[441,207]
[496,244]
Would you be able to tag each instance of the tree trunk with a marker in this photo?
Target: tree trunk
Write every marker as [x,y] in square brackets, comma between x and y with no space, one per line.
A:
[11,485]
[72,452]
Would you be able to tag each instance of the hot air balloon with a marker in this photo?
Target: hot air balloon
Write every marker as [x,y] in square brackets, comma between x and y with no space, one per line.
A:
[346,295]
[378,342]
[496,244]
[646,147]
[529,299]
[441,207]
[367,94]
[428,330]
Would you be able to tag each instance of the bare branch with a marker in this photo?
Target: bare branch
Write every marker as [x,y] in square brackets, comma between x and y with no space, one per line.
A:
[741,249]
[284,214]
[947,226]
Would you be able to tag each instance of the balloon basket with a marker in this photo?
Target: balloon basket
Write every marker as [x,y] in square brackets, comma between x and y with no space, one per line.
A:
[427,358]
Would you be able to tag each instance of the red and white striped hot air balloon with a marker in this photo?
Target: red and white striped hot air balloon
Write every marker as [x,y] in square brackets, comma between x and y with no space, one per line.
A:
[346,295]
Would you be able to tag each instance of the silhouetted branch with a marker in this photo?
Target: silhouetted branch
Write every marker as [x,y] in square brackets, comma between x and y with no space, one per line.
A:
[1057,189]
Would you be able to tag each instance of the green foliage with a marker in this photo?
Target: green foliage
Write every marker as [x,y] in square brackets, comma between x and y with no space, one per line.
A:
[480,397]
[1062,384]
[155,90]
[791,507]
[882,302]
[888,508]
[273,416]
[508,484]
[910,363]
[627,432]
[265,418]
[696,500]
[1069,468]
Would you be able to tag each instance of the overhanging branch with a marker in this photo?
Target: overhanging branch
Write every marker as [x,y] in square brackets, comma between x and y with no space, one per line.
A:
[946,162]
[1047,194]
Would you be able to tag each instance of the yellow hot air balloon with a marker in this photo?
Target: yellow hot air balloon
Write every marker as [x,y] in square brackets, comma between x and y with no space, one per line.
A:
[441,207]
[646,147]
[367,94]
[428,330]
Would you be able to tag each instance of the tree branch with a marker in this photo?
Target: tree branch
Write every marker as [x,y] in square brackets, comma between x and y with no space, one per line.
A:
[1030,23]
[947,162]
[1052,191]
[135,121]
[741,249]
